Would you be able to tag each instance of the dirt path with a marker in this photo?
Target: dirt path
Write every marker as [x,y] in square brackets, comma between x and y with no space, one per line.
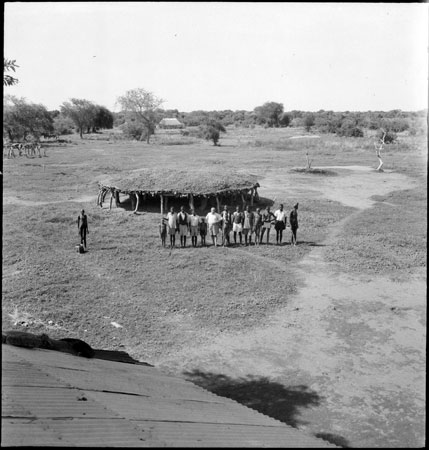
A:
[354,345]
[13,200]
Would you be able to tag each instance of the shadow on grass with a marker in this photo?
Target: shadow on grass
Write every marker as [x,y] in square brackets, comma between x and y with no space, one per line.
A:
[270,398]
[310,243]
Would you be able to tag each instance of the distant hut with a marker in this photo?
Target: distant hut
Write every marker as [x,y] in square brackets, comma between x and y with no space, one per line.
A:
[170,124]
[198,187]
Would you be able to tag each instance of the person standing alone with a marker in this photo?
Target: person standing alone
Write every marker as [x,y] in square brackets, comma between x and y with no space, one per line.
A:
[82,225]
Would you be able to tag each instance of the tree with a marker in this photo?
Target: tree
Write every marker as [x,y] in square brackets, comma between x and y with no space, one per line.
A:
[141,105]
[350,129]
[22,119]
[308,121]
[82,112]
[8,65]
[103,118]
[285,120]
[269,113]
[386,136]
[63,125]
[211,131]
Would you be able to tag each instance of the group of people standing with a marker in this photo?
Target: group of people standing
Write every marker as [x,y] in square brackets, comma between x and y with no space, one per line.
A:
[241,223]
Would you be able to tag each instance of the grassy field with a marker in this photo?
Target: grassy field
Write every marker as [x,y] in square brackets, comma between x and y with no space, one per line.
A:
[127,277]
[168,300]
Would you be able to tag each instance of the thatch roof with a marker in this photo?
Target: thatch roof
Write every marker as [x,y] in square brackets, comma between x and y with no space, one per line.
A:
[170,122]
[180,182]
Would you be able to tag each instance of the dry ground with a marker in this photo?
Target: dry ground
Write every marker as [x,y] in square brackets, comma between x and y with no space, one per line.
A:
[328,336]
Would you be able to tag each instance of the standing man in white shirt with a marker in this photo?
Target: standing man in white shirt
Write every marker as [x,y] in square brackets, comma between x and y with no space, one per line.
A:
[172,226]
[213,222]
[281,219]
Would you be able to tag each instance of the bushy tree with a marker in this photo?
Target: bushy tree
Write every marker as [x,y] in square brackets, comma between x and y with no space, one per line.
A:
[81,111]
[211,131]
[118,119]
[133,129]
[63,125]
[350,129]
[22,119]
[141,105]
[103,119]
[195,118]
[269,113]
[297,122]
[389,138]
[396,125]
[309,121]
[285,120]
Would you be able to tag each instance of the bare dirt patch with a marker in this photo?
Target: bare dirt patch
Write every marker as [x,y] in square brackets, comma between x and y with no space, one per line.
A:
[355,342]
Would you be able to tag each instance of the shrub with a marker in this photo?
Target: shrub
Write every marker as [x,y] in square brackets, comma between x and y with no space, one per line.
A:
[63,125]
[132,130]
[297,122]
[389,138]
[349,129]
[309,121]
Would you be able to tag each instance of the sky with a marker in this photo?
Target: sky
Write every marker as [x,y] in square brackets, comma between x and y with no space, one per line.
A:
[217,56]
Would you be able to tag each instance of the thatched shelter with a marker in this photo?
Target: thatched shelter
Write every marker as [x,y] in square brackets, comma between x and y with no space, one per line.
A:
[170,123]
[198,187]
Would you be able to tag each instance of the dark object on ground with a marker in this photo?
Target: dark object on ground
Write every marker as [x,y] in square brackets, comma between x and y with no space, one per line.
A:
[314,171]
[29,340]
[80,248]
[80,348]
[67,345]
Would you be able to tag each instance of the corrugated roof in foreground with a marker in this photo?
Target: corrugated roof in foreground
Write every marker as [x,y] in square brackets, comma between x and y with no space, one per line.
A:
[57,399]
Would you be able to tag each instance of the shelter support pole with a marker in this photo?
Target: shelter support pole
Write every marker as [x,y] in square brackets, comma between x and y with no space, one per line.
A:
[243,199]
[251,196]
[218,203]
[117,200]
[137,202]
[111,199]
[162,206]
[191,201]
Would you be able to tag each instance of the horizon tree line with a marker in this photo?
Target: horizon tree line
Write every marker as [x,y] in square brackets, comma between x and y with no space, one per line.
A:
[141,111]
